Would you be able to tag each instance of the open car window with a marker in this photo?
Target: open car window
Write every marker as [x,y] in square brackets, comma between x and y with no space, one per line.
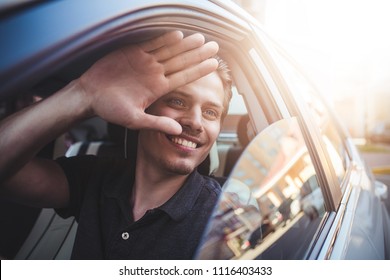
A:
[271,205]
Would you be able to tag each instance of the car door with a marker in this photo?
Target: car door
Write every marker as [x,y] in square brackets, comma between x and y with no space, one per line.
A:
[350,183]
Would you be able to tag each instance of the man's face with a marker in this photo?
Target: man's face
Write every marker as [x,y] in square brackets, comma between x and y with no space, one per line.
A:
[198,108]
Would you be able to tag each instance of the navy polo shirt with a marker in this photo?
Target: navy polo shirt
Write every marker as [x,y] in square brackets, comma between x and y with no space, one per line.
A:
[99,199]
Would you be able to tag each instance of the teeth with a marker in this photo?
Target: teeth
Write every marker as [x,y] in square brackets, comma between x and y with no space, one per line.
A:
[184,142]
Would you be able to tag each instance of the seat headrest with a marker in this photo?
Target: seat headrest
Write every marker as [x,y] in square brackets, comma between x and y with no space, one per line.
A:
[210,165]
[243,130]
[116,133]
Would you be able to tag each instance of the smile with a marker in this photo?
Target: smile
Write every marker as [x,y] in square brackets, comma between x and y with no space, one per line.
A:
[184,142]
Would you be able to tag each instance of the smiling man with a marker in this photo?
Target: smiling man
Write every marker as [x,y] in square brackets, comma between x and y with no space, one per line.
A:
[198,107]
[156,207]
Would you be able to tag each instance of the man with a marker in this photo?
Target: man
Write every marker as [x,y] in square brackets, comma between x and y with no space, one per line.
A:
[156,208]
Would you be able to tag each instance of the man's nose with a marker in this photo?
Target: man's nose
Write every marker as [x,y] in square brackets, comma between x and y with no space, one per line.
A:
[192,119]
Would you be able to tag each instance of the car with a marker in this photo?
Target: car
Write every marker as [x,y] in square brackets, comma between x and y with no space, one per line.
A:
[296,170]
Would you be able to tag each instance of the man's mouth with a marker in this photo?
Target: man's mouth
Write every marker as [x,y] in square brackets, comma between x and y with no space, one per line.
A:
[183,142]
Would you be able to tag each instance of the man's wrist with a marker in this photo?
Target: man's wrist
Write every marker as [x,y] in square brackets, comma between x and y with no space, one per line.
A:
[78,99]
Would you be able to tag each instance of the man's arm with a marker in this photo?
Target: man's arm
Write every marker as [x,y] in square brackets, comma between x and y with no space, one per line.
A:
[30,180]
[118,88]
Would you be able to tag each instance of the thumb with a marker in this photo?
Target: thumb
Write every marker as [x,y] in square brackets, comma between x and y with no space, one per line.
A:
[163,124]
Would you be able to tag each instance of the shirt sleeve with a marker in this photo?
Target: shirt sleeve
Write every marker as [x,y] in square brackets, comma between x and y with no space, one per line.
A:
[79,171]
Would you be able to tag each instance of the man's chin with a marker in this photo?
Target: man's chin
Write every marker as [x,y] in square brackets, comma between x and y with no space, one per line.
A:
[180,169]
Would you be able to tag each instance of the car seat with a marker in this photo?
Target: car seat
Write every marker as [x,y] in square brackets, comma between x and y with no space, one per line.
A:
[16,228]
[52,237]
[234,152]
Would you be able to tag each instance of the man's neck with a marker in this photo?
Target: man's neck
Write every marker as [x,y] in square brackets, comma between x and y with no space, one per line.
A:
[152,188]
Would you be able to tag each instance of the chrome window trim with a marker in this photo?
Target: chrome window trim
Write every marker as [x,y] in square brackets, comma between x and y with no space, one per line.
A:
[330,250]
[322,235]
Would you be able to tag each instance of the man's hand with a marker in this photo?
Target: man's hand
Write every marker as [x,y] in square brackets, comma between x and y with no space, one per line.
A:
[121,85]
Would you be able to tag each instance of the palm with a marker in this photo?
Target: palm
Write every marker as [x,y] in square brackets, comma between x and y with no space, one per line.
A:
[124,83]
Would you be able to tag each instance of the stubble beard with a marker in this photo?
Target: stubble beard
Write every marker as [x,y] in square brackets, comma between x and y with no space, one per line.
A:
[176,167]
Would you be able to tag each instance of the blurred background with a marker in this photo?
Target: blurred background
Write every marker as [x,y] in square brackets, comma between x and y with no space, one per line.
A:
[344,46]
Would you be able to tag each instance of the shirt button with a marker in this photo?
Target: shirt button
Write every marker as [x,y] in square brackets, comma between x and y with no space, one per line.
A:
[125,235]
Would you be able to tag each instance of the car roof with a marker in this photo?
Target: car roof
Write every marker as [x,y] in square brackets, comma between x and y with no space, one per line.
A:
[47,34]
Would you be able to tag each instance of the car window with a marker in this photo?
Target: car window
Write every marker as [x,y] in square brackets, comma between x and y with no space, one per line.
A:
[271,205]
[331,137]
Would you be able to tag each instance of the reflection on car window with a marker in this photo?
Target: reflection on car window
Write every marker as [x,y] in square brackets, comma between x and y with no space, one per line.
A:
[271,205]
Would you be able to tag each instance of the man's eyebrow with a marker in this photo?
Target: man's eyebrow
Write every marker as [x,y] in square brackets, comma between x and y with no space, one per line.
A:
[188,95]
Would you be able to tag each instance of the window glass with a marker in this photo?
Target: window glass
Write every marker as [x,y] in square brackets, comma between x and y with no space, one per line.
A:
[271,205]
[330,135]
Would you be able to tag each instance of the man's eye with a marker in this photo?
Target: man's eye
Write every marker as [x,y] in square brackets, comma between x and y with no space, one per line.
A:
[211,114]
[176,102]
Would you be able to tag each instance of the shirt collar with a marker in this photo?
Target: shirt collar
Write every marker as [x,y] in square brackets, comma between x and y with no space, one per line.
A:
[177,207]
[182,202]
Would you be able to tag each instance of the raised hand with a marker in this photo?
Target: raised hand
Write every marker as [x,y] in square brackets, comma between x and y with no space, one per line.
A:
[121,85]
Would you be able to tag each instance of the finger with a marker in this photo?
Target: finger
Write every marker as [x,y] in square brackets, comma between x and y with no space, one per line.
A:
[191,74]
[161,41]
[190,58]
[191,42]
[163,124]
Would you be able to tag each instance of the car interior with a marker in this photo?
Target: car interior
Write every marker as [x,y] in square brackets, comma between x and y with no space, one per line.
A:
[45,235]
[292,183]
[42,234]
